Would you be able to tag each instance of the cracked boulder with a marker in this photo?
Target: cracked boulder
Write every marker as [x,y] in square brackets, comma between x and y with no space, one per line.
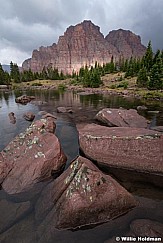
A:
[123,147]
[82,195]
[31,157]
[121,118]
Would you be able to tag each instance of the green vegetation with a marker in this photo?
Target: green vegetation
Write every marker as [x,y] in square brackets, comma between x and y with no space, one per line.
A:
[4,77]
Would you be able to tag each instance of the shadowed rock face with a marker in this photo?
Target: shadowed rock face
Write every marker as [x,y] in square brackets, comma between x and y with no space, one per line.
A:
[121,118]
[82,195]
[123,147]
[85,44]
[31,157]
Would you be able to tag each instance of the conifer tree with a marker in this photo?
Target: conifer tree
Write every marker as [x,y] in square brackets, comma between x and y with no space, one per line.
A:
[148,57]
[142,79]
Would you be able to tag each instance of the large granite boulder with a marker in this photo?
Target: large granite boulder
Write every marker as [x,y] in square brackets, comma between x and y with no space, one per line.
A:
[82,195]
[121,118]
[123,147]
[31,157]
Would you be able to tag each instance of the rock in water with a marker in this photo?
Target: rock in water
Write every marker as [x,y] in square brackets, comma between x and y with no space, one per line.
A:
[121,118]
[24,99]
[29,116]
[82,195]
[12,117]
[123,147]
[31,157]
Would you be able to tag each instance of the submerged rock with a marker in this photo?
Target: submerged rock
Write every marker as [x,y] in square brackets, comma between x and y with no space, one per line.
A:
[24,99]
[63,109]
[146,227]
[121,118]
[142,108]
[82,195]
[31,157]
[123,147]
[29,116]
[12,117]
[11,212]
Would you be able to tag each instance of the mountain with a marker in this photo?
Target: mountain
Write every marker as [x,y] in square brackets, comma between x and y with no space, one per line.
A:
[84,44]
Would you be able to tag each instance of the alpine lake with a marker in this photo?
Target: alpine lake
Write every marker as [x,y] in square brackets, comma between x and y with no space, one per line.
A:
[84,108]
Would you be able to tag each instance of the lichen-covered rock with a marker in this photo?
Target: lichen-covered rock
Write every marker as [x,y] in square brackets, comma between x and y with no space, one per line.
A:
[31,157]
[82,195]
[121,118]
[123,147]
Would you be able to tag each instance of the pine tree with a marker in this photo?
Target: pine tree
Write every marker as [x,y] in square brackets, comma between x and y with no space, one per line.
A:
[14,72]
[155,81]
[4,76]
[148,57]
[142,79]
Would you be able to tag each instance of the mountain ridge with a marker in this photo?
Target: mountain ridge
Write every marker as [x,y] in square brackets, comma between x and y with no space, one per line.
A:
[84,44]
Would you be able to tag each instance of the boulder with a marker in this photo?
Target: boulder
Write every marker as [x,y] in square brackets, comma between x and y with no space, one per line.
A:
[121,118]
[11,212]
[48,115]
[63,109]
[31,157]
[12,117]
[146,227]
[24,99]
[29,116]
[142,108]
[123,147]
[82,195]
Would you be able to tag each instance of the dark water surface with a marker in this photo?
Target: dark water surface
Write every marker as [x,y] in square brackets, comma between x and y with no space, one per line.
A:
[85,107]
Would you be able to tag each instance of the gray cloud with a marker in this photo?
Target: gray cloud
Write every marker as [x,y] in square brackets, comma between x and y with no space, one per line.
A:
[26,25]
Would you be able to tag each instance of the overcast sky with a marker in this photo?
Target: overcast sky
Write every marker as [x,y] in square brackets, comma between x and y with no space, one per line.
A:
[27,24]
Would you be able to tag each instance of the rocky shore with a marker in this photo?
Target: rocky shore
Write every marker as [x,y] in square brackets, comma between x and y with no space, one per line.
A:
[83,194]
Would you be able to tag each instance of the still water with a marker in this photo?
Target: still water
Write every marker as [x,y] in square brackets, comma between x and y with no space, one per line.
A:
[84,109]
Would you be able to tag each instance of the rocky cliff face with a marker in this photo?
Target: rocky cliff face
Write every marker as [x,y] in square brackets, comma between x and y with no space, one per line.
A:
[127,43]
[85,44]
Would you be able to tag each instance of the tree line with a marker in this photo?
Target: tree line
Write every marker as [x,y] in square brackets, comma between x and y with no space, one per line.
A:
[148,70]
[17,76]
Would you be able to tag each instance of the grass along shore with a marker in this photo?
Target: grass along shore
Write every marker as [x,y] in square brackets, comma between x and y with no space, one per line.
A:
[112,83]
